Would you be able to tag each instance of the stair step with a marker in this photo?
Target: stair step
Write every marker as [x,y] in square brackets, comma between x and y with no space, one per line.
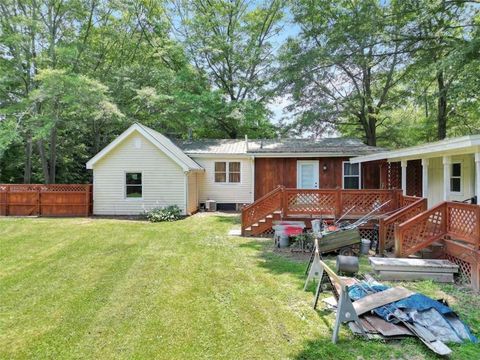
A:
[262,221]
[269,216]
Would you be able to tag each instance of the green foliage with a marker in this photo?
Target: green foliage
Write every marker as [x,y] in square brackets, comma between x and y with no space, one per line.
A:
[168,213]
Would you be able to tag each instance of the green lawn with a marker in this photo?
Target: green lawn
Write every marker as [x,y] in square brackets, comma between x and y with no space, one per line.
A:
[113,289]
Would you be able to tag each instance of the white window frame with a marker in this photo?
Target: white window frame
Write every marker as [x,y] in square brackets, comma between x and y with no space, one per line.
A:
[456,177]
[125,185]
[359,175]
[227,172]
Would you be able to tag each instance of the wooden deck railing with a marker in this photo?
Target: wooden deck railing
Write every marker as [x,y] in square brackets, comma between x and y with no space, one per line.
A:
[323,202]
[45,200]
[264,206]
[458,220]
[411,206]
[457,224]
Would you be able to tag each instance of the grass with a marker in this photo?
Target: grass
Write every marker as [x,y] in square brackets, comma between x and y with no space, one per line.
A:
[118,289]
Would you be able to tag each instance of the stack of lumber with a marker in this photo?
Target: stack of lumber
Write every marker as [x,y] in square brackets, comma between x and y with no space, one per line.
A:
[396,269]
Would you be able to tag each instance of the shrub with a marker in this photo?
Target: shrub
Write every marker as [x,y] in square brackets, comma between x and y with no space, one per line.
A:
[169,213]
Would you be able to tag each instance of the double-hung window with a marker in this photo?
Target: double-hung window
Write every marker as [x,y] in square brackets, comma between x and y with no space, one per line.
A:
[227,172]
[456,178]
[133,185]
[351,175]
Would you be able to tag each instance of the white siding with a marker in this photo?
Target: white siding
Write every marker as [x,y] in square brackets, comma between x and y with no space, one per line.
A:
[223,192]
[435,179]
[163,179]
[192,192]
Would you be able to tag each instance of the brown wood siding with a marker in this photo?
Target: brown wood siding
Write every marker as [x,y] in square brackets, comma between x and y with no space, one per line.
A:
[271,172]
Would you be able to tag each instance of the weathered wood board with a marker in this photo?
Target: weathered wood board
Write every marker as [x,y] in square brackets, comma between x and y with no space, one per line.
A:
[385,328]
[413,265]
[381,298]
[412,276]
[339,239]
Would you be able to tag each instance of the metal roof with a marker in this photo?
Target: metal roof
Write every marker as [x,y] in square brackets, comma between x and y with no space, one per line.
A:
[213,146]
[340,146]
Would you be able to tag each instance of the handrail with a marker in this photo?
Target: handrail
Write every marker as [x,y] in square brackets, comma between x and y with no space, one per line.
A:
[387,225]
[264,206]
[278,188]
[331,202]
[420,231]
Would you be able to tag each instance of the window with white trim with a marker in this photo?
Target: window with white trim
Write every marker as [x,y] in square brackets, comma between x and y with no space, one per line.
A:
[227,172]
[133,185]
[351,175]
[456,178]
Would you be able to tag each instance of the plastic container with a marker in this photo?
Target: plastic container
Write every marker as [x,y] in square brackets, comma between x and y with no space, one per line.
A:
[317,226]
[284,241]
[365,246]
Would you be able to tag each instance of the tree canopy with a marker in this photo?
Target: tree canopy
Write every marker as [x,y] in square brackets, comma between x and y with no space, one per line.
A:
[76,73]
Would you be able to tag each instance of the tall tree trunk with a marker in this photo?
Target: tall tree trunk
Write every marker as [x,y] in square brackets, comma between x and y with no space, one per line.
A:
[27,173]
[441,106]
[44,161]
[53,154]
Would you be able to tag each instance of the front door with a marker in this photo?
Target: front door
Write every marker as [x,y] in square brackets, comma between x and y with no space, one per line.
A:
[307,174]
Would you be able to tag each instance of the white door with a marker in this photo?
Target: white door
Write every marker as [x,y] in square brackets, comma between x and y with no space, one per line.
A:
[307,174]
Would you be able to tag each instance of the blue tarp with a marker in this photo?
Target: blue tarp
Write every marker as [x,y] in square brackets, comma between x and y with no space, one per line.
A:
[414,303]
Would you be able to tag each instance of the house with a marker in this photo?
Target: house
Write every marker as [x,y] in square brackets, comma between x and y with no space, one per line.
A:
[447,170]
[142,169]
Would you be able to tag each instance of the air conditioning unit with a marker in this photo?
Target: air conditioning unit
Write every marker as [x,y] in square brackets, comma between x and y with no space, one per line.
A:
[211,205]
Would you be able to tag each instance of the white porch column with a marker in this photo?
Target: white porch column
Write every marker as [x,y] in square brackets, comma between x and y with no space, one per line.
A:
[404,176]
[477,176]
[447,168]
[425,178]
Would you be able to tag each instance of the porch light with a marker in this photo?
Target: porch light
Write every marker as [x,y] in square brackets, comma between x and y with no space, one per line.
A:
[325,167]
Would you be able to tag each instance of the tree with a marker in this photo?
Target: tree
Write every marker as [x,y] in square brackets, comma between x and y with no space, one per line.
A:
[344,67]
[445,38]
[65,102]
[231,41]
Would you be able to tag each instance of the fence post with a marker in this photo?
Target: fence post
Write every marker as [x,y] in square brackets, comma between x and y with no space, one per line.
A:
[381,236]
[283,202]
[398,241]
[338,203]
[39,201]
[7,199]
[87,200]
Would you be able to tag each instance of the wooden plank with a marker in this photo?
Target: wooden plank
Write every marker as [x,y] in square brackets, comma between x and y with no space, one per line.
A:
[381,298]
[412,276]
[417,265]
[386,328]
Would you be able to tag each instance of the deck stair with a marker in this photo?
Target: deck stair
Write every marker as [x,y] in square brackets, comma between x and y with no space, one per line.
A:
[449,230]
[307,204]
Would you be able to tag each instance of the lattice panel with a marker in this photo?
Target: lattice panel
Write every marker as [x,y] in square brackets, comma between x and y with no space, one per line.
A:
[23,188]
[366,202]
[423,231]
[63,188]
[463,221]
[394,175]
[311,203]
[368,233]
[414,178]
[465,269]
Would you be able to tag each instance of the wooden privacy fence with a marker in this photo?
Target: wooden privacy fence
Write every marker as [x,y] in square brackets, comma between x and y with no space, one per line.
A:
[46,200]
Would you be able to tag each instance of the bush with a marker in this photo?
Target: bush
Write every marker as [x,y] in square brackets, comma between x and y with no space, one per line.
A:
[169,213]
